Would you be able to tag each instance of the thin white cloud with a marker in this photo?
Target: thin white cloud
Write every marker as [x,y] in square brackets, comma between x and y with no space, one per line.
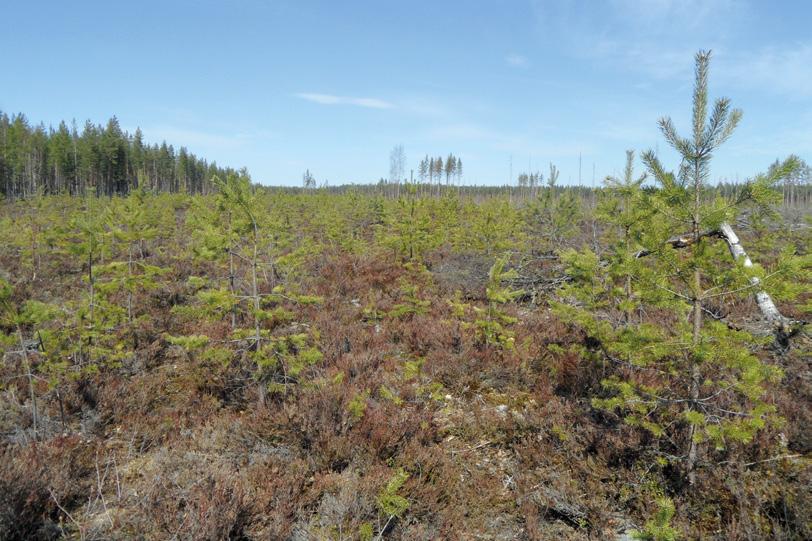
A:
[654,38]
[517,60]
[330,99]
[784,70]
[656,15]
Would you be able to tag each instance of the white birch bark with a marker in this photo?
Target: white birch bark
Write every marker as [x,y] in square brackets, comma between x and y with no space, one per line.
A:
[765,303]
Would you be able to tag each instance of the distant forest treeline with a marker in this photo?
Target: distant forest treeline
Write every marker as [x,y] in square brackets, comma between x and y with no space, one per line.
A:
[105,160]
[795,195]
[101,160]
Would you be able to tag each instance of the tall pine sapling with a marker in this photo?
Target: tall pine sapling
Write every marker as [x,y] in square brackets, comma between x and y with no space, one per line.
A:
[238,198]
[684,378]
[684,201]
[626,208]
[408,230]
[130,224]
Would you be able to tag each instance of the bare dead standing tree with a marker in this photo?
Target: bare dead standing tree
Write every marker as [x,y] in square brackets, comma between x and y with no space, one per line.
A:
[397,167]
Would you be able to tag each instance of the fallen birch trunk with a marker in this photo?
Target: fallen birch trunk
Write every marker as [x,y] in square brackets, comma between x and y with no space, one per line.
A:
[784,326]
[765,303]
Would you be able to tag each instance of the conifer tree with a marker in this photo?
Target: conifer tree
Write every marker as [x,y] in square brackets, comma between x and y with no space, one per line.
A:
[492,323]
[423,170]
[450,168]
[458,171]
[85,237]
[684,198]
[552,179]
[627,209]
[130,223]
[412,304]
[438,173]
[552,218]
[524,182]
[493,227]
[241,203]
[104,157]
[31,232]
[308,180]
[248,235]
[408,229]
[685,379]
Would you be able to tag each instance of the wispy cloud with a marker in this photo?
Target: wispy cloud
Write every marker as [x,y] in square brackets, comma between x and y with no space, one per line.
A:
[517,61]
[654,38]
[656,16]
[330,99]
[785,70]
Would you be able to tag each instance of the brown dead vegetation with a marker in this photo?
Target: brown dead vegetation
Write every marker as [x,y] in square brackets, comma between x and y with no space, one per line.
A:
[497,444]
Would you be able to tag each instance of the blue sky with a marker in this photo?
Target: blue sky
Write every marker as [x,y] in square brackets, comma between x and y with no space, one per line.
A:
[281,86]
